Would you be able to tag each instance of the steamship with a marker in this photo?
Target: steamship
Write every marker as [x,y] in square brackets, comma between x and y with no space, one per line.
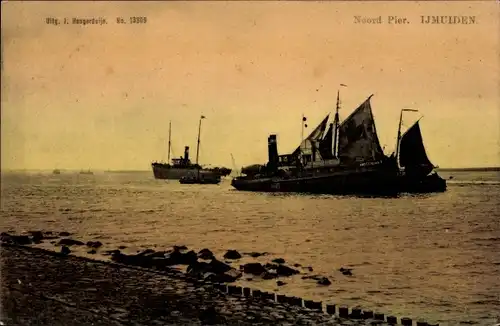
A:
[346,159]
[183,170]
[179,168]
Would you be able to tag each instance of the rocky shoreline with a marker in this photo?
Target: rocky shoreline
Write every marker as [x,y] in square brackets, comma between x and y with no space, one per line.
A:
[203,265]
[144,288]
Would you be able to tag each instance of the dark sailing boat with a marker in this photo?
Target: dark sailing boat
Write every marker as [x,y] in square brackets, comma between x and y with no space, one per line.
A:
[415,168]
[182,166]
[348,159]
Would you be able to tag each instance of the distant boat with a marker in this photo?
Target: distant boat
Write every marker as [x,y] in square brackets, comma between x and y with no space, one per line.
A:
[86,172]
[56,171]
[182,166]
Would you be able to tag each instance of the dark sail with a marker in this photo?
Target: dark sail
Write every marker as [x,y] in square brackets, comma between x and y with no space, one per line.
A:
[358,140]
[412,155]
[325,145]
[313,137]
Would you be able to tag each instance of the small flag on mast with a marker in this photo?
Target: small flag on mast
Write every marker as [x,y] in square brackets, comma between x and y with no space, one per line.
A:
[203,117]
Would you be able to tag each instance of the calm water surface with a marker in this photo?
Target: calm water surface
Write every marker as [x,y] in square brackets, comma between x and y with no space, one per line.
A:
[435,257]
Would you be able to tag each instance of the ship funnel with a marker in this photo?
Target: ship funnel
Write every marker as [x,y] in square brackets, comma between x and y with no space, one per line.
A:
[272,146]
[186,153]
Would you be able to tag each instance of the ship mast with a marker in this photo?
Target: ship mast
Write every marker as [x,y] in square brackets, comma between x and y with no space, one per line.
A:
[169,140]
[302,146]
[336,122]
[198,144]
[399,133]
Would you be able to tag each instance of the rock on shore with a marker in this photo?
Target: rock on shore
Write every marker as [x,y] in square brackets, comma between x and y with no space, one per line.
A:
[208,269]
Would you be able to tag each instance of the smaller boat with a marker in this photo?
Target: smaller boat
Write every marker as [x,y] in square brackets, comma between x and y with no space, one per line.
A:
[200,178]
[199,175]
[86,172]
[56,171]
[416,172]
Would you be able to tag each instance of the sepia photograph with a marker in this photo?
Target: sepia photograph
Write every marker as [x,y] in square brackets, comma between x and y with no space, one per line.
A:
[250,163]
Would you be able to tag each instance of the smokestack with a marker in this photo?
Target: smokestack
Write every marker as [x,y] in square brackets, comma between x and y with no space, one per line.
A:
[272,147]
[186,153]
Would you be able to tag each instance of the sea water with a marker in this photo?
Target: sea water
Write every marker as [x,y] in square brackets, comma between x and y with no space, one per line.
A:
[433,256]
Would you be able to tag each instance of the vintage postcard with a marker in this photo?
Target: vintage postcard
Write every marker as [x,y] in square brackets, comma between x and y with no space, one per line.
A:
[250,162]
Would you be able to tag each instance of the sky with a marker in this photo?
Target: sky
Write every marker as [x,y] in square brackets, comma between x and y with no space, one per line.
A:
[101,96]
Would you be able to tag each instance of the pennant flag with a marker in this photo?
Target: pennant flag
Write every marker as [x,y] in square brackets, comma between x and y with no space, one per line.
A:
[343,85]
[203,117]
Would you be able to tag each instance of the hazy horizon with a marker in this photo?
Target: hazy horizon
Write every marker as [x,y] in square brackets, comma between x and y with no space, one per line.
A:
[101,97]
[481,168]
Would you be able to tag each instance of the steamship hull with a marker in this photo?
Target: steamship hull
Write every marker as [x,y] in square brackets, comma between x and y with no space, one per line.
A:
[355,182]
[163,171]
